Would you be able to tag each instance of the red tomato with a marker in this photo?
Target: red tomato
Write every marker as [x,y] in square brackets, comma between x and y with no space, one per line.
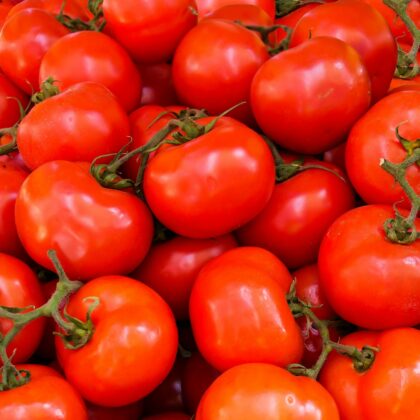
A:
[247,14]
[79,124]
[133,346]
[19,288]
[373,137]
[320,111]
[9,106]
[95,231]
[126,412]
[93,56]
[239,314]
[170,268]
[199,78]
[355,256]
[71,7]
[206,7]
[152,35]
[173,415]
[304,206]
[262,391]
[4,10]
[361,26]
[336,156]
[194,189]
[24,40]
[389,389]
[46,396]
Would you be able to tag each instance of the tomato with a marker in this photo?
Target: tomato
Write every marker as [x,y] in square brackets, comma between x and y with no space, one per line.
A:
[390,389]
[303,206]
[12,176]
[24,40]
[194,189]
[4,10]
[361,26]
[373,137]
[95,57]
[367,279]
[126,412]
[262,391]
[206,7]
[9,105]
[71,7]
[319,112]
[152,35]
[46,396]
[170,268]
[336,156]
[239,313]
[133,346]
[173,415]
[199,79]
[61,206]
[247,14]
[79,124]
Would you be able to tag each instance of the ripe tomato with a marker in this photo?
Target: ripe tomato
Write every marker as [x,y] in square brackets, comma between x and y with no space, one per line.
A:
[170,268]
[199,79]
[79,124]
[368,280]
[239,313]
[194,189]
[133,346]
[71,7]
[262,391]
[206,7]
[172,415]
[46,396]
[93,56]
[247,14]
[315,116]
[389,389]
[373,137]
[126,412]
[361,26]
[19,288]
[4,10]
[9,107]
[152,35]
[60,206]
[24,40]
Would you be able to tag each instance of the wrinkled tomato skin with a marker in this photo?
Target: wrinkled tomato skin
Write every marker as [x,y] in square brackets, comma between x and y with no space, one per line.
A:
[389,389]
[82,230]
[46,396]
[231,304]
[207,7]
[362,27]
[194,189]
[170,268]
[199,79]
[24,40]
[368,280]
[9,107]
[133,346]
[263,391]
[374,138]
[316,116]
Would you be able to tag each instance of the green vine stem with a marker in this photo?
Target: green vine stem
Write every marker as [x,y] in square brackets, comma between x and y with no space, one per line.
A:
[284,7]
[75,332]
[97,23]
[48,90]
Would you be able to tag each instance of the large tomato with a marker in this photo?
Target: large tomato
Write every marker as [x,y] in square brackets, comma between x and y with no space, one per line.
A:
[212,184]
[133,346]
[313,116]
[206,7]
[239,313]
[71,7]
[95,231]
[389,389]
[262,391]
[369,280]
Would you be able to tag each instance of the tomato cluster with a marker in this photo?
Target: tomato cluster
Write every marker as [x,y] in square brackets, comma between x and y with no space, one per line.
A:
[209,208]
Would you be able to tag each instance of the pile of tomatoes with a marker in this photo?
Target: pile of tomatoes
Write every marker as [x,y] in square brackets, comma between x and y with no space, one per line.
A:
[209,208]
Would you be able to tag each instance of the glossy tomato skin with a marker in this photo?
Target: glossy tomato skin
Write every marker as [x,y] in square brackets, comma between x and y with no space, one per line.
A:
[95,57]
[239,314]
[247,14]
[71,8]
[170,268]
[133,346]
[362,27]
[83,229]
[207,7]
[199,79]
[46,396]
[9,107]
[78,124]
[194,189]
[368,280]
[373,137]
[389,389]
[262,391]
[152,35]
[304,206]
[19,288]
[24,40]
[316,116]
